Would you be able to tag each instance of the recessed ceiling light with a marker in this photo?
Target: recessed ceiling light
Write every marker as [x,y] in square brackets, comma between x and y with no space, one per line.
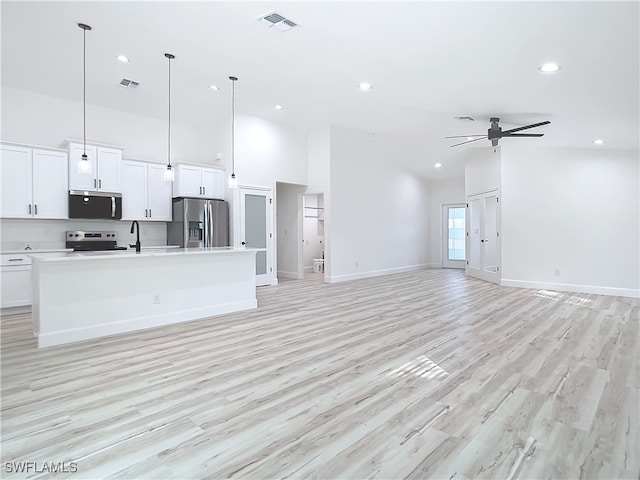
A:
[214,87]
[470,138]
[549,67]
[279,107]
[123,59]
[598,141]
[438,165]
[365,87]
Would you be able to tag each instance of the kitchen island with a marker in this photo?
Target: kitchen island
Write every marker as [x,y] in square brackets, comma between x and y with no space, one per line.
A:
[94,294]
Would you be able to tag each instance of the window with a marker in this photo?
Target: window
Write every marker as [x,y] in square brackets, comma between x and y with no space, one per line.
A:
[455,233]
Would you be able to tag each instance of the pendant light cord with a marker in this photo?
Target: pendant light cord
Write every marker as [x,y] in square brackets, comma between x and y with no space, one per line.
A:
[233,126]
[84,91]
[169,135]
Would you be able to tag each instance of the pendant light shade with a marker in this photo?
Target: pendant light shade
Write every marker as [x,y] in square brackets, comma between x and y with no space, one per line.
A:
[233,181]
[169,175]
[84,165]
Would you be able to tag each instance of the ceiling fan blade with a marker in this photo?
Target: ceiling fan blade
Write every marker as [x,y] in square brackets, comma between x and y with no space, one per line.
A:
[526,127]
[465,136]
[523,135]
[469,141]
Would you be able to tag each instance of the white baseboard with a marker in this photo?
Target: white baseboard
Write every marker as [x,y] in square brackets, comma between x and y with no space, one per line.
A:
[434,265]
[570,287]
[292,275]
[374,273]
[308,269]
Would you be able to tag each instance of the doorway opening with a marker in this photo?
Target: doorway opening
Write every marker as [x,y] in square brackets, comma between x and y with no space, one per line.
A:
[313,234]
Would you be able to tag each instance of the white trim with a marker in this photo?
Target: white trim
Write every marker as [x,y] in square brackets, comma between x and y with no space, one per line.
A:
[292,275]
[570,287]
[375,273]
[308,269]
[434,265]
[141,323]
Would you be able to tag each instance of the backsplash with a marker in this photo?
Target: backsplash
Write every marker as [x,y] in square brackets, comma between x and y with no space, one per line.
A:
[16,234]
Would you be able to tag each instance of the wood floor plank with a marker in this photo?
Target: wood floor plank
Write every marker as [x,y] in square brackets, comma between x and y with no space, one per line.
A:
[427,374]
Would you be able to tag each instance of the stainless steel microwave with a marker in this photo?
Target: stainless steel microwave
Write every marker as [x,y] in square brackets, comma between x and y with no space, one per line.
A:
[95,205]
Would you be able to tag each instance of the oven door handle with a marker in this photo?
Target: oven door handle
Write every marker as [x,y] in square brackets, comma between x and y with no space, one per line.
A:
[113,207]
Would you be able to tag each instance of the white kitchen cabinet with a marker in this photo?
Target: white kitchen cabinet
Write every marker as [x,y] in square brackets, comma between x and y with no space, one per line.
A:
[145,194]
[34,183]
[106,168]
[198,181]
[15,272]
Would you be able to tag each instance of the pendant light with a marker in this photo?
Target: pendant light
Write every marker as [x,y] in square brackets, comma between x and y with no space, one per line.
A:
[84,165]
[169,175]
[233,181]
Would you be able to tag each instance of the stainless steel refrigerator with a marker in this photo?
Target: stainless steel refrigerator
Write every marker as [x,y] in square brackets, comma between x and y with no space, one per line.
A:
[199,223]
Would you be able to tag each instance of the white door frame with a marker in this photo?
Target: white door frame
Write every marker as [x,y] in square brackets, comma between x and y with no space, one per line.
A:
[484,272]
[446,263]
[269,278]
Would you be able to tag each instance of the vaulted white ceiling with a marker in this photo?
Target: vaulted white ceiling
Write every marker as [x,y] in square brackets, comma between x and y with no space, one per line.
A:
[427,62]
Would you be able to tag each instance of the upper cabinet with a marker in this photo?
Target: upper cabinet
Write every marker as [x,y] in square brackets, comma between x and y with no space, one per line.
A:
[34,183]
[106,168]
[198,181]
[145,194]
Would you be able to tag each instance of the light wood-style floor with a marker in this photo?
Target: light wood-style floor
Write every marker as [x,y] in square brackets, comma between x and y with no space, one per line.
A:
[419,375]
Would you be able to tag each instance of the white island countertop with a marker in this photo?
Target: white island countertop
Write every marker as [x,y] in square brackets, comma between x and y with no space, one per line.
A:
[83,295]
[145,252]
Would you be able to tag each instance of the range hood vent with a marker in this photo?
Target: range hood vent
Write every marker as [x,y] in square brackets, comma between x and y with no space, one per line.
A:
[277,21]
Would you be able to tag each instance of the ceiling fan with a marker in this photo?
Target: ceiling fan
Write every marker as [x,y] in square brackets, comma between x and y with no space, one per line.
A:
[495,133]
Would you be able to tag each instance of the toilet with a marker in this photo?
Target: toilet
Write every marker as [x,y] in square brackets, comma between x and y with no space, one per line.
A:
[318,265]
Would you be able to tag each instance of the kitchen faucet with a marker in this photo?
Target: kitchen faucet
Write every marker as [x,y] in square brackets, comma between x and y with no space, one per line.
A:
[135,226]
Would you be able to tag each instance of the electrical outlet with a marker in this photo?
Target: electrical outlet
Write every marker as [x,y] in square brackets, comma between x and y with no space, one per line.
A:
[357,264]
[156,298]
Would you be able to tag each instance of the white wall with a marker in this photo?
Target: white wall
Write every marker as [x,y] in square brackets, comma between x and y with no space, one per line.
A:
[36,119]
[571,219]
[379,208]
[441,193]
[267,153]
[482,170]
[288,226]
[17,233]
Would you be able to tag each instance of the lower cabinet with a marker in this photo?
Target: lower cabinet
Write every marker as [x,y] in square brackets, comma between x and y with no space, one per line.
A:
[145,194]
[16,282]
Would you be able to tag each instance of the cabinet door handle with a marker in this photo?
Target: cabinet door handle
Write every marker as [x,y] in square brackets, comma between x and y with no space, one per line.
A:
[204,190]
[95,183]
[149,213]
[16,259]
[99,183]
[145,213]
[29,209]
[35,207]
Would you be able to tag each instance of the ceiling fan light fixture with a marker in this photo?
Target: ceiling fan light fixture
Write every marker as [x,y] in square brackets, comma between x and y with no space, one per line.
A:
[549,67]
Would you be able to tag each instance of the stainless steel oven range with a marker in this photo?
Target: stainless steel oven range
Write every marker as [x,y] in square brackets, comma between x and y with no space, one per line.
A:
[82,241]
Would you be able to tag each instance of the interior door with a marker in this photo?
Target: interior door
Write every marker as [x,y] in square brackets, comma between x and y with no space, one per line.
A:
[256,230]
[483,236]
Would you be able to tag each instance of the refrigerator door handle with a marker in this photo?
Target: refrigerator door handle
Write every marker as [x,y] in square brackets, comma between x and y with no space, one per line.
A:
[205,227]
[211,224]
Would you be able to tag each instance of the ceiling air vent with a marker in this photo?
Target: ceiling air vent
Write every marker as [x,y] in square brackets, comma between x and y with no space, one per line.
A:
[468,119]
[277,21]
[128,83]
